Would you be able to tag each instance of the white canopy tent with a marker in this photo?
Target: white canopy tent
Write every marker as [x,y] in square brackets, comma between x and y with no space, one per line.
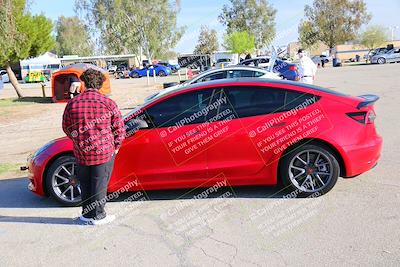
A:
[48,62]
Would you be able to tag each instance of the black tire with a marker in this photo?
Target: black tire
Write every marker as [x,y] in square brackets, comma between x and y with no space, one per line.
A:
[135,75]
[290,166]
[381,60]
[51,180]
[161,73]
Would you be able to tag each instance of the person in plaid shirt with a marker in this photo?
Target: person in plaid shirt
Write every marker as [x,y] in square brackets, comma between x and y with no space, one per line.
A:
[94,123]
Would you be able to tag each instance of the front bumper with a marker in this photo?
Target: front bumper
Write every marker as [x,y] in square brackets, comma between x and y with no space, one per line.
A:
[36,167]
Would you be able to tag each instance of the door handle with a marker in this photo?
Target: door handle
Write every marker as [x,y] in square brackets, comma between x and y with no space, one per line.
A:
[192,133]
[279,124]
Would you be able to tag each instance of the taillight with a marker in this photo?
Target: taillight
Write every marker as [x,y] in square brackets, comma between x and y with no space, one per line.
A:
[293,67]
[371,117]
[364,117]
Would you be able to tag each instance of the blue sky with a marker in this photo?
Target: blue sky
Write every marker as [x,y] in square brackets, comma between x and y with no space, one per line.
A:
[194,13]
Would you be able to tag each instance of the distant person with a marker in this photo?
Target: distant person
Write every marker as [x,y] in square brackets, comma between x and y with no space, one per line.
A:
[94,123]
[248,56]
[75,86]
[323,62]
[307,68]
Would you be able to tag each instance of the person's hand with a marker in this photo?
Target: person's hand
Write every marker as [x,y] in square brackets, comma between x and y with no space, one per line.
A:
[116,151]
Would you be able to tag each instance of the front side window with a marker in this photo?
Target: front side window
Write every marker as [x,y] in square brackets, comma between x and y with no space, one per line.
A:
[183,109]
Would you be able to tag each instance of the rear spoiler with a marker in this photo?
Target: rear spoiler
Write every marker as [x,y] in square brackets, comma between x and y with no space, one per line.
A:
[368,100]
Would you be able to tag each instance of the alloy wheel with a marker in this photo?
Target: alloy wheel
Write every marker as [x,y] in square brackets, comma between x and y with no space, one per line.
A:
[65,183]
[310,171]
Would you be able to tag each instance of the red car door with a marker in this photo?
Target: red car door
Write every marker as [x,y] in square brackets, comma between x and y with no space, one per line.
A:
[255,126]
[163,155]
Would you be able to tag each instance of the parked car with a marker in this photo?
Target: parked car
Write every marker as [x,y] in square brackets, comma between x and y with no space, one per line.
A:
[226,73]
[261,62]
[286,70]
[321,58]
[122,72]
[160,70]
[173,67]
[388,57]
[223,62]
[4,76]
[190,136]
[112,69]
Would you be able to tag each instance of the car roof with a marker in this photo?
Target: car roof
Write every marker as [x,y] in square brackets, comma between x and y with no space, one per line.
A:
[249,80]
[233,67]
[211,71]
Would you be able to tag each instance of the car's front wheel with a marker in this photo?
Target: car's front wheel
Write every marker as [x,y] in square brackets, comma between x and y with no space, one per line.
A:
[381,60]
[161,73]
[309,170]
[62,183]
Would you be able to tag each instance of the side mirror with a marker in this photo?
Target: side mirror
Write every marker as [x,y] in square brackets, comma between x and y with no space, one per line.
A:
[138,124]
[134,125]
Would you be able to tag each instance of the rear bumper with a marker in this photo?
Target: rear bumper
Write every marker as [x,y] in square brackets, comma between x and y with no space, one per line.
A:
[361,158]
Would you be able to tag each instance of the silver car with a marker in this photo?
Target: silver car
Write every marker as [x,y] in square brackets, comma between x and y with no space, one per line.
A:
[392,55]
[225,73]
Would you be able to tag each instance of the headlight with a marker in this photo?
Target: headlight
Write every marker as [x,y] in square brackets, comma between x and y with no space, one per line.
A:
[42,149]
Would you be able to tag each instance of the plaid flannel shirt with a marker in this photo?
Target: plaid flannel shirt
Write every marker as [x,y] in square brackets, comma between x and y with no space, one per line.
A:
[94,123]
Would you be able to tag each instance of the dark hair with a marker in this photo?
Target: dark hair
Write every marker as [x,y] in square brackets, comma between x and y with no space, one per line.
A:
[93,78]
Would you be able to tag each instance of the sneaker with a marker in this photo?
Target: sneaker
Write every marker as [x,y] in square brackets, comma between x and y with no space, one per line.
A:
[84,219]
[105,220]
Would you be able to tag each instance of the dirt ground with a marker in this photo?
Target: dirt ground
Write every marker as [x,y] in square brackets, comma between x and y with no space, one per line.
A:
[30,123]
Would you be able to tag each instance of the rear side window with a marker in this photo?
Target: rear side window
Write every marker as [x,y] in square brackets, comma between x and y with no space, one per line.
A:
[213,76]
[241,73]
[295,99]
[252,101]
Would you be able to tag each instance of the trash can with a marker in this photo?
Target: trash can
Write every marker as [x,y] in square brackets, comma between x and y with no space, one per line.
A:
[334,62]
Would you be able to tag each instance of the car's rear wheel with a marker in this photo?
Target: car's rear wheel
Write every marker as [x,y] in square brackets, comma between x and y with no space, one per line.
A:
[381,60]
[135,75]
[62,183]
[161,73]
[309,170]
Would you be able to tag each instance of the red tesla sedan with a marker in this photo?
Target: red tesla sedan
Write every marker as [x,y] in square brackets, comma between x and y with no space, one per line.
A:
[241,132]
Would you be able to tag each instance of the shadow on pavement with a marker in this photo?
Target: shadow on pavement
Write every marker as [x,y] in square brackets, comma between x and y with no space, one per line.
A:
[35,99]
[15,194]
[40,220]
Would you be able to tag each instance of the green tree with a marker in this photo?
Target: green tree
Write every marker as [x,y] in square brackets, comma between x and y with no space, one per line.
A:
[308,38]
[332,21]
[240,42]
[254,16]
[373,37]
[130,27]
[72,37]
[22,35]
[207,42]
